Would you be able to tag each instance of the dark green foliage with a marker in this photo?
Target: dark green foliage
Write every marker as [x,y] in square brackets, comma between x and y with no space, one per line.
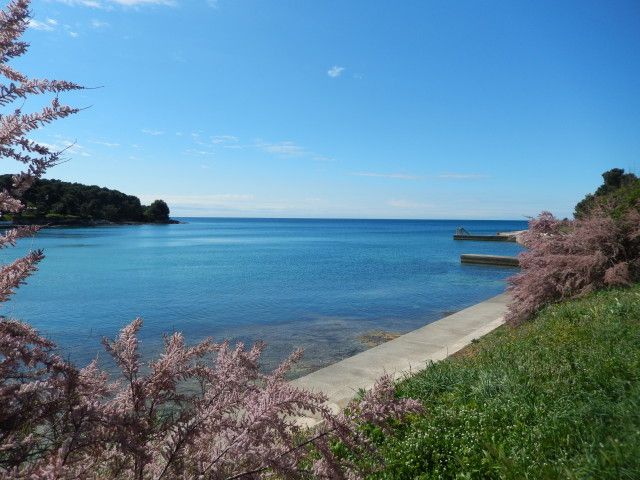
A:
[157,212]
[620,189]
[55,201]
[558,397]
[614,179]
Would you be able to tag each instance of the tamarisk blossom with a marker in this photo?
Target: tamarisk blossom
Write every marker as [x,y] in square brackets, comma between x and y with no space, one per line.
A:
[570,258]
[205,411]
[16,125]
[237,423]
[33,380]
[14,274]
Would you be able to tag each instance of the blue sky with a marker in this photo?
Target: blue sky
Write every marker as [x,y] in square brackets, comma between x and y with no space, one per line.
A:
[366,109]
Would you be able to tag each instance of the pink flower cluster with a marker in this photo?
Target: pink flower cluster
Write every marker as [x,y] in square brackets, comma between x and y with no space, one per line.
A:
[569,258]
[204,411]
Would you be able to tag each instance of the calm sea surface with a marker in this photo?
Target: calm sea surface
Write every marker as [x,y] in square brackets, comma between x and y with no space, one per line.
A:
[318,284]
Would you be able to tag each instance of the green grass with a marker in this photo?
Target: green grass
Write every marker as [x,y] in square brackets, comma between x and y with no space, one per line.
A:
[558,397]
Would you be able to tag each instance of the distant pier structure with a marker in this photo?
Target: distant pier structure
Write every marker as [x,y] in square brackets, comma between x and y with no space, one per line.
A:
[497,260]
[462,234]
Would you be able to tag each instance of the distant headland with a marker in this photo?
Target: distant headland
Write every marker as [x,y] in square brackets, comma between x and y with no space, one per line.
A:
[58,203]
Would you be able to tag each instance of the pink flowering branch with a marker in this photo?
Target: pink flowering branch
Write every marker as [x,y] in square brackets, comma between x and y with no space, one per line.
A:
[239,423]
[11,236]
[15,274]
[14,144]
[566,259]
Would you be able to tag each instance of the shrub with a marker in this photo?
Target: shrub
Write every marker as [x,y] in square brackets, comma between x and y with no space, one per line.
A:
[204,411]
[566,259]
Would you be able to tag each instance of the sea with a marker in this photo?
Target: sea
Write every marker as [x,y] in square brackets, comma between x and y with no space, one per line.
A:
[316,284]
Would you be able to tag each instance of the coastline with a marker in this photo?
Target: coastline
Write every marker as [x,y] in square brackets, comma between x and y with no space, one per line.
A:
[47,223]
[408,353]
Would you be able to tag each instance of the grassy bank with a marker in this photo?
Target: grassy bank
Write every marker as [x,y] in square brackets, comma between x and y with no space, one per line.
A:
[558,397]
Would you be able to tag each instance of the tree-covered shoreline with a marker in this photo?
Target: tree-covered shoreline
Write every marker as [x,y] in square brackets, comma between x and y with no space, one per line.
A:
[59,203]
[619,188]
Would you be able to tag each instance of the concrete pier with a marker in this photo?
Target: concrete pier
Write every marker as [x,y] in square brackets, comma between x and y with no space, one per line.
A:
[407,353]
[497,260]
[486,238]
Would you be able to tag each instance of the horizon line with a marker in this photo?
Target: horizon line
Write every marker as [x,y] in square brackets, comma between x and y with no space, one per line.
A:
[359,219]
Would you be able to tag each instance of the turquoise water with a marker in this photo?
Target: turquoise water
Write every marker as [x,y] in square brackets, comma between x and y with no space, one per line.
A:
[318,284]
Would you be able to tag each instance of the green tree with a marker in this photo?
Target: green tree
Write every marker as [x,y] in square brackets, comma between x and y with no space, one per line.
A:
[157,212]
[619,188]
[80,202]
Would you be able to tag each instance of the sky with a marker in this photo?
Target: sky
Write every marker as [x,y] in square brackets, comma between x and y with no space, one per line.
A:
[344,109]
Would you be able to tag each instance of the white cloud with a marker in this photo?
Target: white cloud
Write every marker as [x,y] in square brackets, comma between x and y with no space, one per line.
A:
[335,71]
[84,3]
[399,176]
[38,25]
[224,139]
[290,149]
[192,151]
[235,147]
[205,143]
[222,200]
[51,24]
[234,204]
[321,158]
[462,176]
[153,133]
[105,144]
[97,24]
[287,149]
[68,147]
[133,3]
[107,4]
[408,204]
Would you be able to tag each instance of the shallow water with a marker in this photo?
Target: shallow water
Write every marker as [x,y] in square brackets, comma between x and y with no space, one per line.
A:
[318,284]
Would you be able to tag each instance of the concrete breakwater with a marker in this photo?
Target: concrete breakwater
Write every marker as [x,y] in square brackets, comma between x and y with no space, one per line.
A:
[486,238]
[462,234]
[408,353]
[497,260]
